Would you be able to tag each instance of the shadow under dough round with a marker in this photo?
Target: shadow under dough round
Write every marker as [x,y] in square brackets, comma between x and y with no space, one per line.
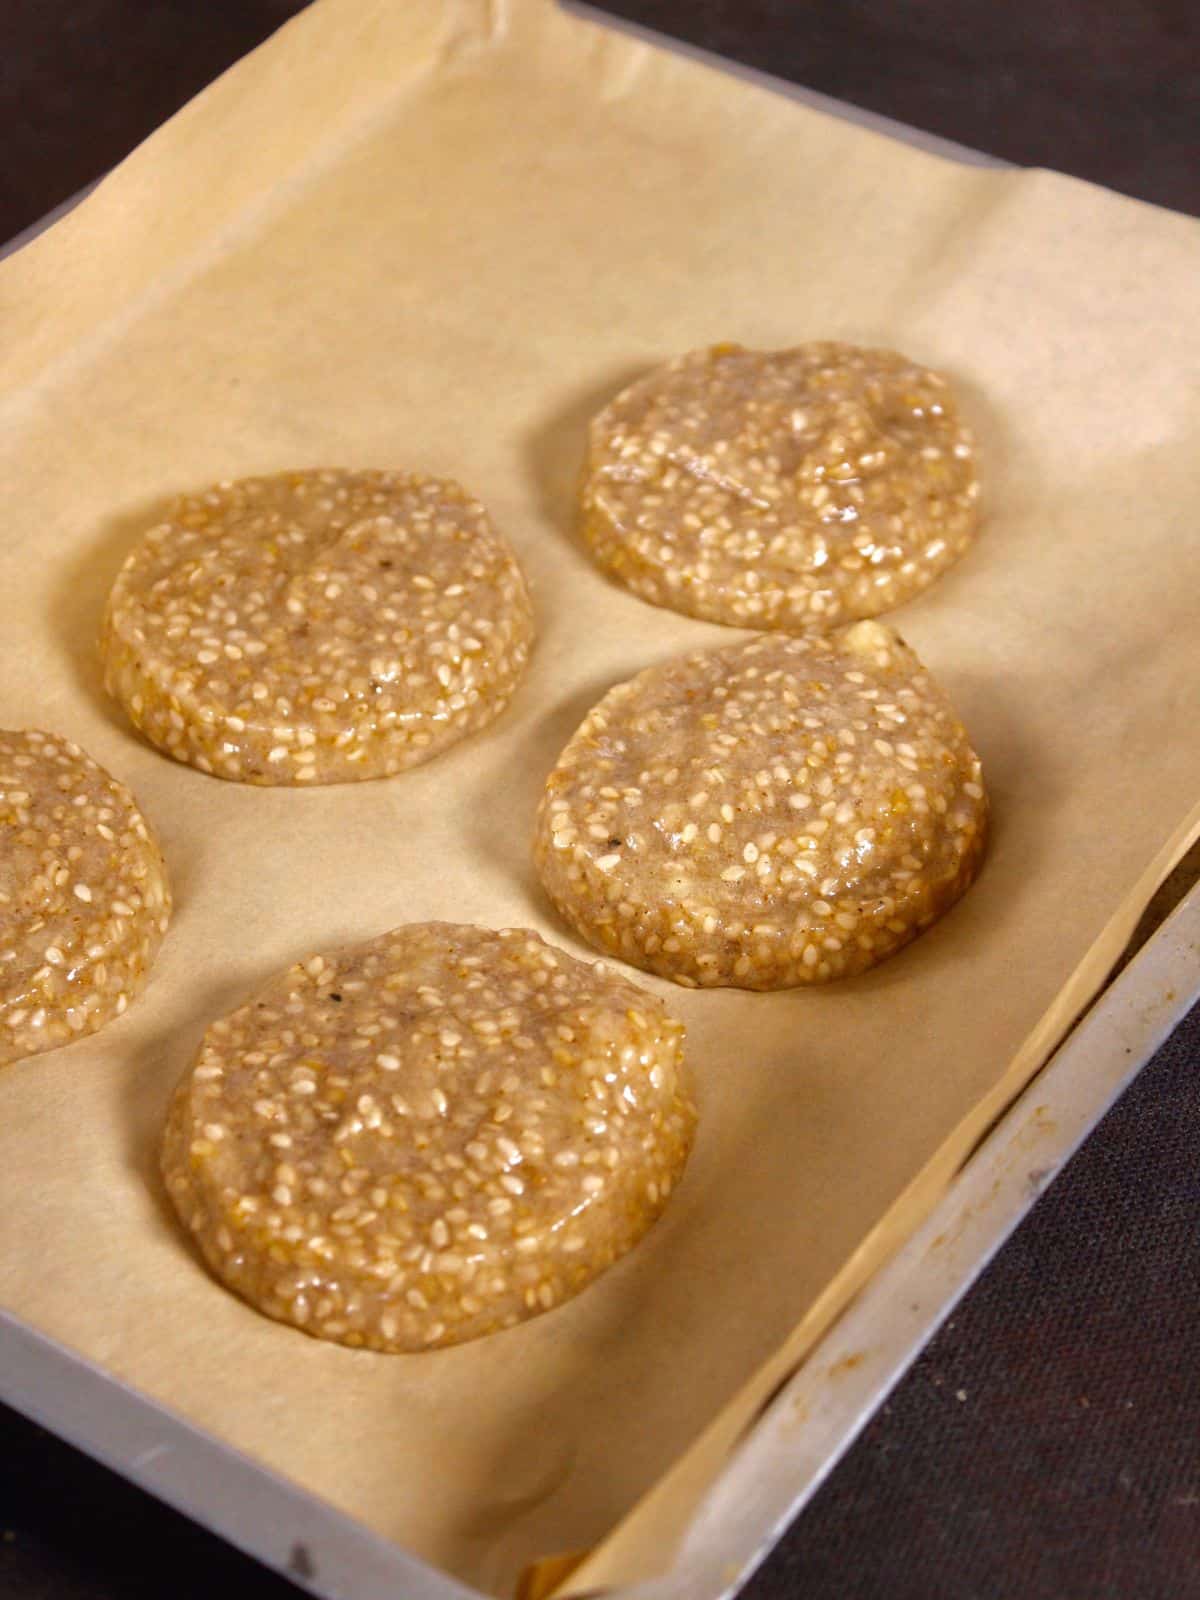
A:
[777,812]
[317,627]
[430,1136]
[793,489]
[84,898]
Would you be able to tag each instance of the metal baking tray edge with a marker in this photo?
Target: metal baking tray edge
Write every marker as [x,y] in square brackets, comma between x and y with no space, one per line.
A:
[819,1412]
[798,1439]
[815,1417]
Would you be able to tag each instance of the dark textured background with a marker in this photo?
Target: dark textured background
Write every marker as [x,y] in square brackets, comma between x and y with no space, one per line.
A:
[1047,1444]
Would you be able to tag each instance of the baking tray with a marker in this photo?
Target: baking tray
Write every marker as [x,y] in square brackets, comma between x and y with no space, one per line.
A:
[797,1439]
[812,1417]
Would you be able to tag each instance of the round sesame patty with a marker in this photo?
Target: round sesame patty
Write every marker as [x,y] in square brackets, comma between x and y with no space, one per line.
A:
[777,812]
[316,627]
[788,489]
[84,901]
[429,1136]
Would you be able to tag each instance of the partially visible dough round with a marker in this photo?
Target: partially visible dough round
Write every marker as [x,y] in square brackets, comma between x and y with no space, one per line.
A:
[317,627]
[84,900]
[793,489]
[778,812]
[429,1136]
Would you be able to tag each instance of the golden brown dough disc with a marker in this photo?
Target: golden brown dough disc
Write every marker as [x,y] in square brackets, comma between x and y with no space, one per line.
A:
[777,812]
[795,489]
[84,901]
[317,627]
[429,1136]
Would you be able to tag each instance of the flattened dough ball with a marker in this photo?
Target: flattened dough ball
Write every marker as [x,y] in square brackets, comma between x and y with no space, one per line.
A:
[317,627]
[794,489]
[84,900]
[778,812]
[429,1136]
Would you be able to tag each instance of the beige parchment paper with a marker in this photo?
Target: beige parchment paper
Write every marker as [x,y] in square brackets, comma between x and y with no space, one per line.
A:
[440,235]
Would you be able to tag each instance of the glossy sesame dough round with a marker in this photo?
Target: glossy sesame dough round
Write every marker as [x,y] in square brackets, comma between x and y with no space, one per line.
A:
[781,811]
[793,489]
[430,1136]
[84,899]
[317,627]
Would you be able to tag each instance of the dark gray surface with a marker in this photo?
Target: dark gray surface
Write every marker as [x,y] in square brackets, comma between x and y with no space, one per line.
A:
[1044,1446]
[1104,89]
[1048,1442]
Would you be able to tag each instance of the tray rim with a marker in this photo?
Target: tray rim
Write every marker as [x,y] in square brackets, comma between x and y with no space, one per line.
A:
[815,1416]
[777,1467]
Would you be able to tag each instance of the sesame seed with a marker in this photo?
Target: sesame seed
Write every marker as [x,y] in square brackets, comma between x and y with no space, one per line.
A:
[428,1230]
[754,899]
[878,496]
[81,937]
[359,657]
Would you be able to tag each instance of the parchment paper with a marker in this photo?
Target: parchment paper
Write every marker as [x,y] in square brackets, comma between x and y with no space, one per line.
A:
[439,236]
